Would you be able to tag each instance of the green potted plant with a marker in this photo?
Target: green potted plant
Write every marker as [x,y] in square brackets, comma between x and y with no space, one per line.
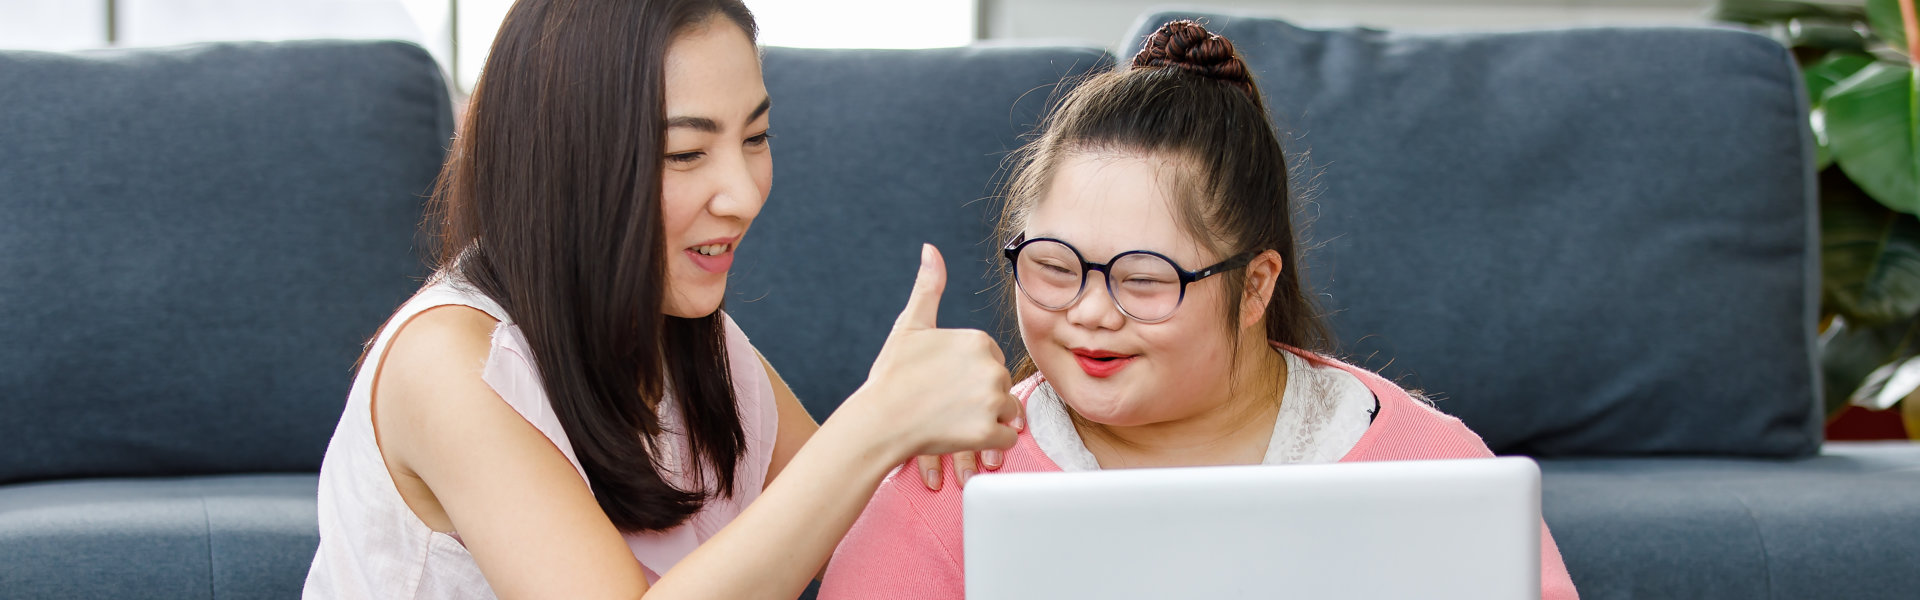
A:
[1859,62]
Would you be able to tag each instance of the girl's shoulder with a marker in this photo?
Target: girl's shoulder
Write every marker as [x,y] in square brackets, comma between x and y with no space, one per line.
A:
[1025,388]
[1408,426]
[904,491]
[908,541]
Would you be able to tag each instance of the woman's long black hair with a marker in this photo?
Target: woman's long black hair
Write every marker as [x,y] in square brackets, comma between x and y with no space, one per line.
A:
[550,205]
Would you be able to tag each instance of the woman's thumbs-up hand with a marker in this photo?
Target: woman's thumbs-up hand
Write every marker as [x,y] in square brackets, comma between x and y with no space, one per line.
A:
[937,391]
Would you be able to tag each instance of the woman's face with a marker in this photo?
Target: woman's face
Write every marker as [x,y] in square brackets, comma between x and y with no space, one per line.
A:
[1104,204]
[718,166]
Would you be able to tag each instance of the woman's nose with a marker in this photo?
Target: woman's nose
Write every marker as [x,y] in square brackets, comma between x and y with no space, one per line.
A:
[739,194]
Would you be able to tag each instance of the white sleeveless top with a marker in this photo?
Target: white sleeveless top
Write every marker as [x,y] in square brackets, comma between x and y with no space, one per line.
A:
[373,546]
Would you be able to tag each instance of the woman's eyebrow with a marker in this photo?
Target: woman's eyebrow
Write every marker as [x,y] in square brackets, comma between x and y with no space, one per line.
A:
[697,123]
[709,125]
[765,104]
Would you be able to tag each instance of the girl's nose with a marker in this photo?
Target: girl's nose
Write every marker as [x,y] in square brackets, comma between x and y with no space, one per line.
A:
[1096,308]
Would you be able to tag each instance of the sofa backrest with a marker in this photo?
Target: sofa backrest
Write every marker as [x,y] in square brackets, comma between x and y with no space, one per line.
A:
[1581,242]
[194,244]
[875,152]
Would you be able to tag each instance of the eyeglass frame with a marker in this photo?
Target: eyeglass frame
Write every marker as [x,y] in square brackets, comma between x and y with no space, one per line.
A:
[1013,248]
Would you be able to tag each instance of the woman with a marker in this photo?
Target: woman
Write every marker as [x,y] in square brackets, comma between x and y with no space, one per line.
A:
[1149,242]
[563,411]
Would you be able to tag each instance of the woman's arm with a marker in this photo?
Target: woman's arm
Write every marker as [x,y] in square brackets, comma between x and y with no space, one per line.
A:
[783,540]
[795,428]
[530,521]
[466,461]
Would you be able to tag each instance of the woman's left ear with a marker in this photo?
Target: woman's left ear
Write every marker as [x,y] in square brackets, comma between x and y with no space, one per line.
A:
[1262,275]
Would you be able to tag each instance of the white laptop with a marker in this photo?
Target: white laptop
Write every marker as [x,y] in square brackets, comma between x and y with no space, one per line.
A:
[1418,529]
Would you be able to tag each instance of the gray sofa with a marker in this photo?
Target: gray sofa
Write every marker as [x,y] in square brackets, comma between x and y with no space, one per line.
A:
[194,242]
[1597,247]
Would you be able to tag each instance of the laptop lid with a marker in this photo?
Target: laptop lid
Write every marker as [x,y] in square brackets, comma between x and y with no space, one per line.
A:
[1414,529]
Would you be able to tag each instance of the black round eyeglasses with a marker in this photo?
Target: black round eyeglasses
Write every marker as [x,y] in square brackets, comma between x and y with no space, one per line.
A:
[1145,285]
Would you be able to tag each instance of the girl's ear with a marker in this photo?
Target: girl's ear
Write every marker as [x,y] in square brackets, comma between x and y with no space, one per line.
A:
[1262,274]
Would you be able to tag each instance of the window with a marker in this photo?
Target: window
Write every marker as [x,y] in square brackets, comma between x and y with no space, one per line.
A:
[457,32]
[801,23]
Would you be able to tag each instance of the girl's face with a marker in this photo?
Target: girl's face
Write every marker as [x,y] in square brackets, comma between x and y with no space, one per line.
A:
[718,166]
[1104,204]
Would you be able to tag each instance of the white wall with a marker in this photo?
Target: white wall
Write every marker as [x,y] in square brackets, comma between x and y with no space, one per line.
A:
[1106,21]
[77,24]
[52,24]
[67,24]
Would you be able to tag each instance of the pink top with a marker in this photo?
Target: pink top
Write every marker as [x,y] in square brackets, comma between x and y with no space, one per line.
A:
[373,546]
[908,542]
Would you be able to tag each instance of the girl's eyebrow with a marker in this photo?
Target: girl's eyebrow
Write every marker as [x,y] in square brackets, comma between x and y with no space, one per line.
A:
[707,125]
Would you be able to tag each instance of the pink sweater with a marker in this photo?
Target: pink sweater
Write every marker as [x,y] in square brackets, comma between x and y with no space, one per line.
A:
[908,544]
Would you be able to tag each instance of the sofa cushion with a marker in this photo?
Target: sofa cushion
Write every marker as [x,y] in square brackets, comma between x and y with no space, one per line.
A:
[1839,525]
[1581,242]
[875,152]
[196,242]
[208,537]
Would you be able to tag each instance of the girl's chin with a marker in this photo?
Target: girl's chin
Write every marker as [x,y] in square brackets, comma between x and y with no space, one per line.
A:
[1112,412]
[1108,418]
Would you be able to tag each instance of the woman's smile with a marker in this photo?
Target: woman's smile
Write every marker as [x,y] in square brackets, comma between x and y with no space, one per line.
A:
[713,256]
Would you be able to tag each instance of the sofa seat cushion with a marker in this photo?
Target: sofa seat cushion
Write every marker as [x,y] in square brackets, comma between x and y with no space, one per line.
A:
[244,536]
[1842,524]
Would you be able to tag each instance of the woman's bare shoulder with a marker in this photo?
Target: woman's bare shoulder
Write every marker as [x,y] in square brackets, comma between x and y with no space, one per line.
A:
[440,342]
[431,373]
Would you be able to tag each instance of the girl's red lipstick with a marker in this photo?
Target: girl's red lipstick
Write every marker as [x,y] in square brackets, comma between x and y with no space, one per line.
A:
[1101,363]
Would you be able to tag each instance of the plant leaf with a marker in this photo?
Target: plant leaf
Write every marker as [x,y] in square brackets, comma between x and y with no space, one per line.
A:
[1831,69]
[1760,12]
[1884,17]
[1822,151]
[1869,256]
[1871,130]
[1886,385]
[1850,354]
[1822,74]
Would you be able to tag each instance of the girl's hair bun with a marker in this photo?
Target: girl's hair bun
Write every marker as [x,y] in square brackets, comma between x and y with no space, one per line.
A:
[1187,45]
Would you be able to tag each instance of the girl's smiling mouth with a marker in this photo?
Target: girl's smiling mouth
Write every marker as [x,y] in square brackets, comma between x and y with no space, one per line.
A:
[1101,363]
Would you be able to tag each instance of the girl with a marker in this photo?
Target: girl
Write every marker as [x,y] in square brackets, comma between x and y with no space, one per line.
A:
[563,411]
[1154,275]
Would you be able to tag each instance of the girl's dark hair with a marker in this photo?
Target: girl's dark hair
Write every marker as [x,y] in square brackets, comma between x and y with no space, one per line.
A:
[1189,98]
[549,204]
